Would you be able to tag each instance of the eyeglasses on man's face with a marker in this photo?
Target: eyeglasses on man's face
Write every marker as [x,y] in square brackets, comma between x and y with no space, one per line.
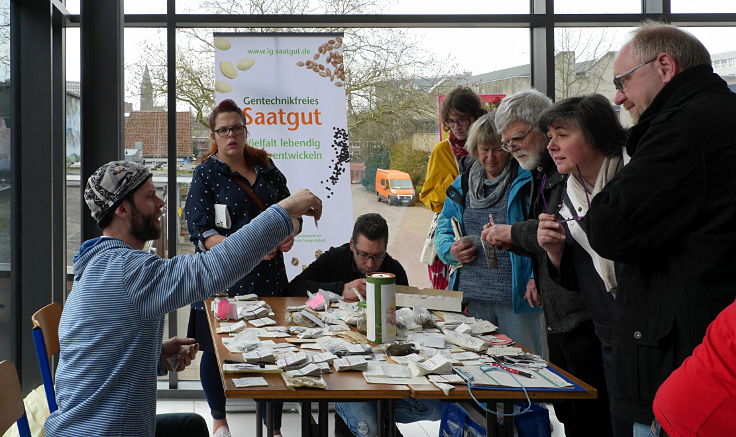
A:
[619,84]
[366,255]
[515,141]
[460,121]
[225,131]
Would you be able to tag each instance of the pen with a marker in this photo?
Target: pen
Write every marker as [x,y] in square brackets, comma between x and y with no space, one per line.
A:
[512,370]
[358,293]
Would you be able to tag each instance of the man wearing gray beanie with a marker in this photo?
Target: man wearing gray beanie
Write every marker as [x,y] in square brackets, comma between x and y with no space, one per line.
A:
[111,329]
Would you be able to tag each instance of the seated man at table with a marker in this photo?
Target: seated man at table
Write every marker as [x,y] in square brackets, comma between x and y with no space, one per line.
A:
[343,269]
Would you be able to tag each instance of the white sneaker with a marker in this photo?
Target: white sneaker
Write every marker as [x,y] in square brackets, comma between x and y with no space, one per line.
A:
[222,431]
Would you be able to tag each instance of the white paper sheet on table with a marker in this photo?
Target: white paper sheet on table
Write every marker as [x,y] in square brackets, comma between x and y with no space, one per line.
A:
[253,381]
[543,378]
[385,380]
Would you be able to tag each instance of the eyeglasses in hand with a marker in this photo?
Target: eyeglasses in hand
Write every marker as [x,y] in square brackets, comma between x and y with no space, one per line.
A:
[544,199]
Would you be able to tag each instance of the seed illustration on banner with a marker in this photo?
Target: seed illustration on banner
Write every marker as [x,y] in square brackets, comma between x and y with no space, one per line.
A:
[341,161]
[333,57]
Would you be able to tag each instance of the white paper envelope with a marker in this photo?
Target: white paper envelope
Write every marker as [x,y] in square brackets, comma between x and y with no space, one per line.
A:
[222,216]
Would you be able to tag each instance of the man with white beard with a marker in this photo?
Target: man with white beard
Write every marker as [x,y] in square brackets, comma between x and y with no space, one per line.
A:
[570,333]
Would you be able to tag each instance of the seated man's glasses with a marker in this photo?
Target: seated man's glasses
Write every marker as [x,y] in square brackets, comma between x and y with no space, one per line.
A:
[225,131]
[366,255]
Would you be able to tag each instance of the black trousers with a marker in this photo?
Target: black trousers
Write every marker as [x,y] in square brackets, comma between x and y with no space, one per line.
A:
[579,352]
[181,425]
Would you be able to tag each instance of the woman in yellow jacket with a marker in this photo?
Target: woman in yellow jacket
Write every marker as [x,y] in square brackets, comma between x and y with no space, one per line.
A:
[460,108]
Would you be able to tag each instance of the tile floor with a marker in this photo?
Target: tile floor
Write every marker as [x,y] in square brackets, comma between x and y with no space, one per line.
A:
[242,419]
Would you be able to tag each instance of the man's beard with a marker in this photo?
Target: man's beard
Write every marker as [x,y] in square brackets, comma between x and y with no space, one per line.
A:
[143,227]
[532,160]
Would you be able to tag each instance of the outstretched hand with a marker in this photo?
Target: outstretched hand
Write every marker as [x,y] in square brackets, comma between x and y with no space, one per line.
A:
[303,202]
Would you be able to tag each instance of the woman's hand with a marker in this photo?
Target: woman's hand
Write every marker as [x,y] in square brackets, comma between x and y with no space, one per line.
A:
[464,252]
[551,237]
[499,236]
[532,295]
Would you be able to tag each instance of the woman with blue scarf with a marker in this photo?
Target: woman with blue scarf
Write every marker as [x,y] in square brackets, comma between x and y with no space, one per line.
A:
[493,288]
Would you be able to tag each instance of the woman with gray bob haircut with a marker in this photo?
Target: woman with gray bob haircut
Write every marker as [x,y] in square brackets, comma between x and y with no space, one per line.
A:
[494,283]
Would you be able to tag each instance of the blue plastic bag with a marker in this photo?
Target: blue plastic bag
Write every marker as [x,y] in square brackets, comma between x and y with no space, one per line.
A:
[457,423]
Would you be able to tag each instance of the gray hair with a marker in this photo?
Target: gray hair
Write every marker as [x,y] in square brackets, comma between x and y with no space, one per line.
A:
[653,38]
[482,131]
[524,106]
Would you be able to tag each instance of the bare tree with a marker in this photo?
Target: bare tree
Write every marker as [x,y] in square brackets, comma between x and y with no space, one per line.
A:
[386,92]
[582,59]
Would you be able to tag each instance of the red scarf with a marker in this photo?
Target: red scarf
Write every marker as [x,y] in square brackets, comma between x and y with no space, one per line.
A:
[458,146]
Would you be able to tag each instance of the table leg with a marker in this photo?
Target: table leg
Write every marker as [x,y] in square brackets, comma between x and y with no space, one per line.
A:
[306,417]
[380,420]
[324,423]
[269,419]
[498,425]
[259,425]
[390,416]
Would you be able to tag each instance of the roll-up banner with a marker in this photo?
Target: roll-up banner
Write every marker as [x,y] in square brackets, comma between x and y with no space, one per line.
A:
[291,89]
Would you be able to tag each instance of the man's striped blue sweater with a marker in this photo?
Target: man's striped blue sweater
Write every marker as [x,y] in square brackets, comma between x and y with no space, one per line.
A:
[112,325]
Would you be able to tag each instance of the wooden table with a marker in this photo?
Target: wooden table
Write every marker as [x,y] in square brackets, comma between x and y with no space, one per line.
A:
[341,386]
[351,386]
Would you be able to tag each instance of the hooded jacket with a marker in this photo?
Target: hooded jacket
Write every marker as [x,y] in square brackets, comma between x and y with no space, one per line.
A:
[111,328]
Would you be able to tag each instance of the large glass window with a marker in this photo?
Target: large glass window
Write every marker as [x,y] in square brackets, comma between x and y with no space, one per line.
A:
[597,7]
[74,208]
[719,42]
[6,178]
[350,7]
[703,6]
[584,62]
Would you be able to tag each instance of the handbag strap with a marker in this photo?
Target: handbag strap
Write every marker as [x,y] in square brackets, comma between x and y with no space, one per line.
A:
[249,191]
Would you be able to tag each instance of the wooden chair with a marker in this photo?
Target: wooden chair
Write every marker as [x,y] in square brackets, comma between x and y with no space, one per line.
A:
[46,340]
[11,402]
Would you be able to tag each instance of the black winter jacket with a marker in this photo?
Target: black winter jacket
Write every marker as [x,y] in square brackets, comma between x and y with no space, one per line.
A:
[563,309]
[668,219]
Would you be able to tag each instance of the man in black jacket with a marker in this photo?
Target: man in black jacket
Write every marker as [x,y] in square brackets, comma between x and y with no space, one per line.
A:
[343,269]
[668,218]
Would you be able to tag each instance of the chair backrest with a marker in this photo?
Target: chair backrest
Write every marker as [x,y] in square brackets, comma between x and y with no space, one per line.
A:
[11,402]
[46,339]
[47,319]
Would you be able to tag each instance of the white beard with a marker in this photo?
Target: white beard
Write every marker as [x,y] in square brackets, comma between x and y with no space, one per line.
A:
[530,159]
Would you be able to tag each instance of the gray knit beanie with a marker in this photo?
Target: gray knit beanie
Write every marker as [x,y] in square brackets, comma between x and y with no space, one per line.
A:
[110,184]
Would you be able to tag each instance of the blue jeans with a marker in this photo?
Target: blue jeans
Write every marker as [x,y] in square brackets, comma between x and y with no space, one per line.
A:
[523,328]
[643,430]
[361,417]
